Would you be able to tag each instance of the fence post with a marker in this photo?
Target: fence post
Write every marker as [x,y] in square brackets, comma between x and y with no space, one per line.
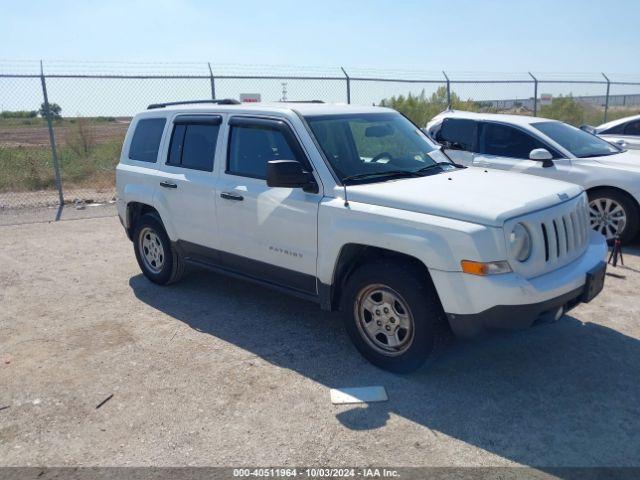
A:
[213,82]
[52,141]
[448,90]
[348,85]
[535,95]
[606,101]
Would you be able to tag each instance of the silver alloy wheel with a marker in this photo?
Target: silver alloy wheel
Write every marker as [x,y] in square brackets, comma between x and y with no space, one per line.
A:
[607,217]
[384,319]
[151,250]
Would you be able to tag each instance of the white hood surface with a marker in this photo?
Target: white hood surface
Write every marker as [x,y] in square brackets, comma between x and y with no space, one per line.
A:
[476,195]
[628,160]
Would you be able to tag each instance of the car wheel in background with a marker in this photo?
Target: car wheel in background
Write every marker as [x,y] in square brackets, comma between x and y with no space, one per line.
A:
[612,213]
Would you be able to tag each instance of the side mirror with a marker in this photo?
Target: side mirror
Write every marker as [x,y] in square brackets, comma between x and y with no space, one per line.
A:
[621,143]
[541,155]
[290,174]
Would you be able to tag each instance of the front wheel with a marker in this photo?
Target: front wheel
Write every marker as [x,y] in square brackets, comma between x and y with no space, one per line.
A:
[612,214]
[390,311]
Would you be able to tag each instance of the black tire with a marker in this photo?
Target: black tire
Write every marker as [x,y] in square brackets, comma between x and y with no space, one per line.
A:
[416,291]
[171,268]
[630,208]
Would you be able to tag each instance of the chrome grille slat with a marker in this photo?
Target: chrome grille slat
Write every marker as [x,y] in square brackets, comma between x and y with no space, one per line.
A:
[562,237]
[576,228]
[553,244]
[584,227]
[571,232]
[545,238]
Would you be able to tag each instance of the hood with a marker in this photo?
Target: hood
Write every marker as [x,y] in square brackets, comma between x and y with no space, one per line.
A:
[627,160]
[487,197]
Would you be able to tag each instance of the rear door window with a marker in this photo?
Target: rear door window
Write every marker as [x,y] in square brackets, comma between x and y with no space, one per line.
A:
[458,134]
[193,142]
[146,139]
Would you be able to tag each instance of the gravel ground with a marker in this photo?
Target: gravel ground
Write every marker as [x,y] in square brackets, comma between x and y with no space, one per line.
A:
[214,371]
[18,216]
[43,205]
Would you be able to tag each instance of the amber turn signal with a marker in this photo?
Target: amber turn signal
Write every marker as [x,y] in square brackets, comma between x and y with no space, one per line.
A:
[485,268]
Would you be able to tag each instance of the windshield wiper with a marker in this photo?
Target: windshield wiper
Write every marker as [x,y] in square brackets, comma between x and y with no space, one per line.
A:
[388,173]
[432,166]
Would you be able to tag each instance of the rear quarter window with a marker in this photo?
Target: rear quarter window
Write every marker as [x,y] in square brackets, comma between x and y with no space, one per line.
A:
[146,140]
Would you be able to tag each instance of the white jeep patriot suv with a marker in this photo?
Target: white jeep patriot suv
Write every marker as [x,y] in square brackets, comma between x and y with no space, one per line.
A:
[356,209]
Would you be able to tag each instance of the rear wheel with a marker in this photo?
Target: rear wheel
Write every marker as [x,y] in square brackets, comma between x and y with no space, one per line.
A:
[390,312]
[613,213]
[159,262]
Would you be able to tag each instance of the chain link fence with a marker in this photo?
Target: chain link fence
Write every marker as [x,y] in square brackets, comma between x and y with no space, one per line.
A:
[62,124]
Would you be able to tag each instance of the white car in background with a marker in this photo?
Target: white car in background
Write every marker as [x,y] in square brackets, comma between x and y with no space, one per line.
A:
[625,132]
[549,148]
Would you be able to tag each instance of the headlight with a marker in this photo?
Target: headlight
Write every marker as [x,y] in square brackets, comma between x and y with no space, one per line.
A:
[520,242]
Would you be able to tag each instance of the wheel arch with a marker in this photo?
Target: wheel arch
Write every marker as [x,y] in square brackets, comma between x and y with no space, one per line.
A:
[352,256]
[617,189]
[621,191]
[134,211]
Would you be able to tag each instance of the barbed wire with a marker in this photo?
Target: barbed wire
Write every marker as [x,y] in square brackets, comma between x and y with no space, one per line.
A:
[105,68]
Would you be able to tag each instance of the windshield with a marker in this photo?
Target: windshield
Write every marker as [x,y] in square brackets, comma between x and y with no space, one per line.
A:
[369,146]
[578,142]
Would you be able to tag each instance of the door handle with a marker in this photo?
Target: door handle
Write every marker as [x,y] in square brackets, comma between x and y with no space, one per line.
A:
[231,196]
[166,184]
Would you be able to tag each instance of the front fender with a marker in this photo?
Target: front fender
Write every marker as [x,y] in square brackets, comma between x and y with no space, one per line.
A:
[439,243]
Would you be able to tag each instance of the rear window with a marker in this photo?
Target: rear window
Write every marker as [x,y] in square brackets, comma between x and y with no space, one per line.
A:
[146,140]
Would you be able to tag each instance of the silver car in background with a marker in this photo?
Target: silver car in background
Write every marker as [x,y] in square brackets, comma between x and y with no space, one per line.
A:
[624,132]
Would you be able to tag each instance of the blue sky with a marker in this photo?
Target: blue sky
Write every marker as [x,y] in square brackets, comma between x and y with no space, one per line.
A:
[456,35]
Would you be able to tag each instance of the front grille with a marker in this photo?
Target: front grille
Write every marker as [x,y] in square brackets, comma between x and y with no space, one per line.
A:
[565,233]
[559,234]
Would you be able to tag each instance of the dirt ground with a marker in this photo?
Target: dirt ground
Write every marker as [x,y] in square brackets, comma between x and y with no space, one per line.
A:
[38,136]
[214,371]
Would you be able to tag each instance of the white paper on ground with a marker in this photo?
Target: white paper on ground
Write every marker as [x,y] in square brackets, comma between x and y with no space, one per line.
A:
[358,395]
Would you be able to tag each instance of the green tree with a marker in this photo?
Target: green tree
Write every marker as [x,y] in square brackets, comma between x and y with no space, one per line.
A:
[54,109]
[565,109]
[420,108]
[18,114]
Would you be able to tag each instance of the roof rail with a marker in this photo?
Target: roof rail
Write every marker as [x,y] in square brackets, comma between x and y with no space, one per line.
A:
[222,101]
[301,101]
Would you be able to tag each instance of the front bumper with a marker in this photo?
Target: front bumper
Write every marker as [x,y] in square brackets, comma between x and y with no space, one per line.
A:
[474,304]
[513,317]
